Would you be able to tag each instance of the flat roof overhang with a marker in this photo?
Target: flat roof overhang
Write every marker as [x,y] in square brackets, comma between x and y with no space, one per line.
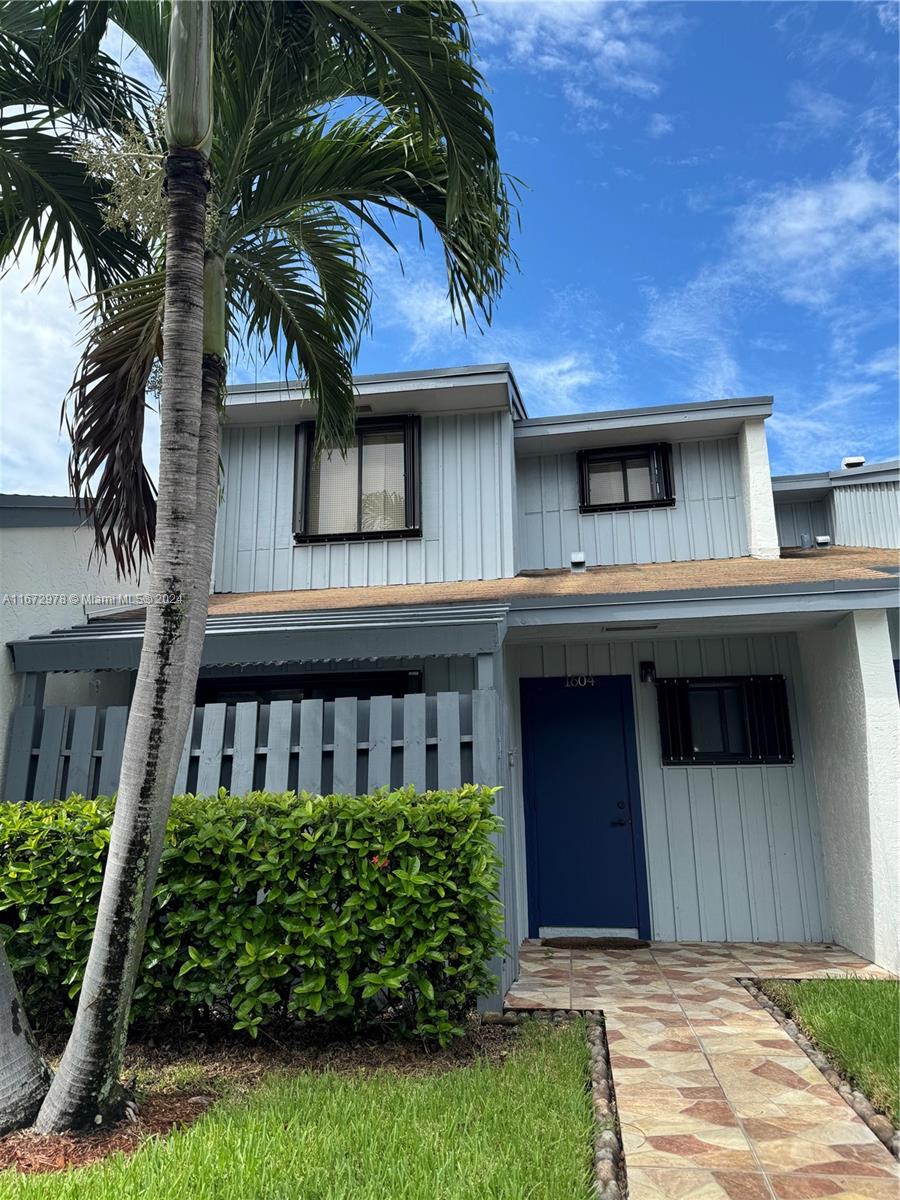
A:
[642,612]
[491,387]
[817,485]
[674,422]
[436,631]
[467,629]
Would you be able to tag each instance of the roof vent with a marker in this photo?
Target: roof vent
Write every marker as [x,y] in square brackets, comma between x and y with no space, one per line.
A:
[852,461]
[578,562]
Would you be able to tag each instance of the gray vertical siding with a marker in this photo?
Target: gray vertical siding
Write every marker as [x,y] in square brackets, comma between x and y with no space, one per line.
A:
[467,513]
[810,517]
[867,514]
[707,520]
[733,853]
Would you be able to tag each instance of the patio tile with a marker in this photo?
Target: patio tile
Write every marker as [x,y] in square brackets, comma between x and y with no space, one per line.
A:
[711,1147]
[715,1100]
[661,1183]
[835,1187]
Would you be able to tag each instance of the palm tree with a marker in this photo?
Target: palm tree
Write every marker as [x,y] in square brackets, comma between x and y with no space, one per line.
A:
[330,116]
[56,84]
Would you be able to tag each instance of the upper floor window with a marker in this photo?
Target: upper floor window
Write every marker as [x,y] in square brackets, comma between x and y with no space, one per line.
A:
[371,491]
[730,720]
[626,477]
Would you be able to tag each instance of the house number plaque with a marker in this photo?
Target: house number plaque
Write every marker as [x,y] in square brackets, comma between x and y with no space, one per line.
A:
[579,681]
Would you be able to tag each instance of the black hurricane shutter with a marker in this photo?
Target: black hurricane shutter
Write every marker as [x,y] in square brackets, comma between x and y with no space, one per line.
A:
[766,710]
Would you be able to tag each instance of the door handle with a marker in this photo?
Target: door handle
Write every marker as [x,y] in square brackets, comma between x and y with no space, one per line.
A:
[619,821]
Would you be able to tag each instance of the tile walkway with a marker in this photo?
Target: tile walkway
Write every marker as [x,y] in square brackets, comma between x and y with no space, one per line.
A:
[715,1100]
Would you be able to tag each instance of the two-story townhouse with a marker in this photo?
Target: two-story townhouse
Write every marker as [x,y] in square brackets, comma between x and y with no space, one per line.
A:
[695,734]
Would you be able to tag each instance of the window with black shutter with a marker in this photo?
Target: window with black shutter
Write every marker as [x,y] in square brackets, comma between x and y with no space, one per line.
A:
[368,491]
[734,719]
[626,477]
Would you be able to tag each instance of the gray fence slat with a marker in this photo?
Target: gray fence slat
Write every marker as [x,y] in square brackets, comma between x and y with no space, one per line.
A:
[279,750]
[485,750]
[311,722]
[81,753]
[380,710]
[244,753]
[113,745]
[414,741]
[18,758]
[212,740]
[449,767]
[345,738]
[181,777]
[46,779]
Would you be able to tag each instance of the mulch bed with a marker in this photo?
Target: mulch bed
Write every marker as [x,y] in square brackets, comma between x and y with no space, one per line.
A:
[35,1153]
[225,1062]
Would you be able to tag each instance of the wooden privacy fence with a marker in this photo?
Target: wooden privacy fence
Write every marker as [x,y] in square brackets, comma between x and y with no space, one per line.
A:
[345,745]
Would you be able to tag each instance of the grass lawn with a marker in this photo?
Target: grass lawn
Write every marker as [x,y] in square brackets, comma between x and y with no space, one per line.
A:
[856,1022]
[515,1128]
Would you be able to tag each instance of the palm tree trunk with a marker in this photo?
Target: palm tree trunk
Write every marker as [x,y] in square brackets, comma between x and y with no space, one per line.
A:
[24,1076]
[85,1091]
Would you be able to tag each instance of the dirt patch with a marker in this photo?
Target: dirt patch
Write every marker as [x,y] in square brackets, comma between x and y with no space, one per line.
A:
[177,1078]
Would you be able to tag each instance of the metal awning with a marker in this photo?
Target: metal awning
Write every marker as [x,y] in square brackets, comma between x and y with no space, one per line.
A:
[456,630]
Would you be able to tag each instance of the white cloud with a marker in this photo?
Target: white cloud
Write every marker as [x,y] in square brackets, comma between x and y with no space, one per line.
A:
[809,245]
[597,45]
[659,125]
[40,331]
[813,112]
[568,368]
[805,240]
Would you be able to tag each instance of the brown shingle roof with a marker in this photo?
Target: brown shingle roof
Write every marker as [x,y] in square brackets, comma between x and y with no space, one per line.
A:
[817,567]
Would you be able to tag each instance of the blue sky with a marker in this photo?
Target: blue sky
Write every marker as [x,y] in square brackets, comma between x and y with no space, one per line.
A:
[710,209]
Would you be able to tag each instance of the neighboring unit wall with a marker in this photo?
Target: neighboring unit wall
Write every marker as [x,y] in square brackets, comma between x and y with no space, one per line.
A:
[867,514]
[706,521]
[809,517]
[50,560]
[855,723]
[733,853]
[467,513]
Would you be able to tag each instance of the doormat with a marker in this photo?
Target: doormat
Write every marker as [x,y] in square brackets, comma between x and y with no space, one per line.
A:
[598,943]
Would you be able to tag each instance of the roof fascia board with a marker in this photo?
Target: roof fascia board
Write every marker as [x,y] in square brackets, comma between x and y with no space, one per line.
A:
[397,382]
[39,512]
[751,406]
[661,607]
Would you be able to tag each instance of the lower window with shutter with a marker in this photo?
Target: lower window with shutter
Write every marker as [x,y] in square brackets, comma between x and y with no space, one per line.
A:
[731,720]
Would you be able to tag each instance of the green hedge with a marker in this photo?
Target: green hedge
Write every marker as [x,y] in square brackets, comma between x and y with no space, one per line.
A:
[374,906]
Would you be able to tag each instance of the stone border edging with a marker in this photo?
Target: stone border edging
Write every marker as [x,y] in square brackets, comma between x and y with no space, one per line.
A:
[609,1179]
[880,1125]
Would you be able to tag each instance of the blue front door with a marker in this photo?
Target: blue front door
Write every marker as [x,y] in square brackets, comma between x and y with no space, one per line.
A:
[583,831]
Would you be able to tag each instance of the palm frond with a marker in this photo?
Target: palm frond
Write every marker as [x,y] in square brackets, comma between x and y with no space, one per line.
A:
[418,53]
[328,248]
[51,204]
[370,166]
[106,421]
[283,312]
[51,60]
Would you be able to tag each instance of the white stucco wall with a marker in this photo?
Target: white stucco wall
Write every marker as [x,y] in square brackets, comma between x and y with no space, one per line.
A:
[51,560]
[855,722]
[756,487]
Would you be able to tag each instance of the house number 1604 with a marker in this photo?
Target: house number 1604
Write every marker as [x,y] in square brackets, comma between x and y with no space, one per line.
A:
[579,681]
